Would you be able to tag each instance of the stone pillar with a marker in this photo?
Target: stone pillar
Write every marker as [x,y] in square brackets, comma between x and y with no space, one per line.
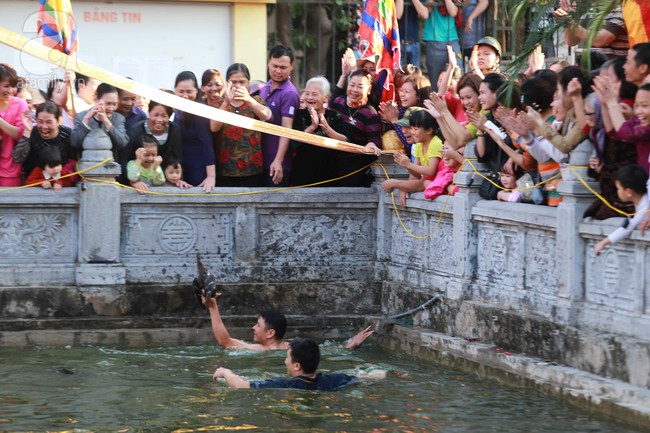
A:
[99,216]
[383,209]
[570,258]
[465,234]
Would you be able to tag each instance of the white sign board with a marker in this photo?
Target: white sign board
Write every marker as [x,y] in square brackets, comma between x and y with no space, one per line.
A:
[149,42]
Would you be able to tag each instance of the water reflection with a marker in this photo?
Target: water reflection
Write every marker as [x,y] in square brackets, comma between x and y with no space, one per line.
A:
[170,389]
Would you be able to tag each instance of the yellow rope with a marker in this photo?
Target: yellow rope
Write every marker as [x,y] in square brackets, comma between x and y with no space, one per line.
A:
[601,198]
[230,194]
[79,172]
[399,217]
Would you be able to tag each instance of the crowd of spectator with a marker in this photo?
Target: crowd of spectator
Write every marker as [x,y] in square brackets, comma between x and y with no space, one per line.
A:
[524,126]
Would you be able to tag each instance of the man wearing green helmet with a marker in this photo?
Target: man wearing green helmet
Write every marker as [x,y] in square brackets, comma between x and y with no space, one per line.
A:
[486,56]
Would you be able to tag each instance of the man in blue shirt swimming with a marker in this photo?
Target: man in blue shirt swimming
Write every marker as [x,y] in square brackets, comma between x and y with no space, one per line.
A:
[303,357]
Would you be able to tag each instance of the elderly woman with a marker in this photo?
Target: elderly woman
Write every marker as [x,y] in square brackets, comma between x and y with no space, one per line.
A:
[362,127]
[159,129]
[312,164]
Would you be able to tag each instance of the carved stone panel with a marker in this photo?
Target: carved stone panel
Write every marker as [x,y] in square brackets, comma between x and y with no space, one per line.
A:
[319,238]
[406,249]
[49,236]
[614,278]
[501,255]
[441,245]
[540,262]
[161,233]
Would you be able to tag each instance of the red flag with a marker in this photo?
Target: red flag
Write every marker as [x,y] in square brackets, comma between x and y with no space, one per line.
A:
[379,41]
[57,24]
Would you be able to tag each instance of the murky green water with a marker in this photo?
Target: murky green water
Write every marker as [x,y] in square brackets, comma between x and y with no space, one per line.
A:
[170,389]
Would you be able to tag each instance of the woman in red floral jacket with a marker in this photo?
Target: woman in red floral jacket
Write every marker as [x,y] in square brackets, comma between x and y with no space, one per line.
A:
[239,150]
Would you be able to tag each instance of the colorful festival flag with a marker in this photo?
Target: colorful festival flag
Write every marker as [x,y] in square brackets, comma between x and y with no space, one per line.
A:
[636,14]
[379,41]
[57,24]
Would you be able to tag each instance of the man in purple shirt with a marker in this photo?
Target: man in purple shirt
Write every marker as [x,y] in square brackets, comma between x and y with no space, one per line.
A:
[126,107]
[283,99]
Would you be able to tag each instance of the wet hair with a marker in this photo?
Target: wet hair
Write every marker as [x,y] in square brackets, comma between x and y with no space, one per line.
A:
[422,119]
[421,85]
[569,73]
[105,88]
[642,54]
[633,176]
[275,320]
[471,80]
[325,85]
[305,352]
[153,104]
[50,156]
[49,107]
[208,74]
[8,72]
[238,67]
[537,93]
[281,51]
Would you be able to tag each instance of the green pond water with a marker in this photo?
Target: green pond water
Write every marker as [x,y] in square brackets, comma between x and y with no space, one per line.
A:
[169,389]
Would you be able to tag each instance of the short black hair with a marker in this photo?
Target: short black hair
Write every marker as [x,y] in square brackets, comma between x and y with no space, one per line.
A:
[305,352]
[537,93]
[49,107]
[633,176]
[642,53]
[275,320]
[422,119]
[567,74]
[105,88]
[174,163]
[50,156]
[281,51]
[78,79]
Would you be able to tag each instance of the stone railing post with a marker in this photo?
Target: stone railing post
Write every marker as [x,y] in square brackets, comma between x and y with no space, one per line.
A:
[383,210]
[570,261]
[99,215]
[465,237]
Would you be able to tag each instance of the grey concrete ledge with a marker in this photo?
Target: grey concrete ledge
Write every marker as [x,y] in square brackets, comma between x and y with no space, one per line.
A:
[162,331]
[524,213]
[616,399]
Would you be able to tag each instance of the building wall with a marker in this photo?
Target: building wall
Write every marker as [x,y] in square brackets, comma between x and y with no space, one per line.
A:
[151,41]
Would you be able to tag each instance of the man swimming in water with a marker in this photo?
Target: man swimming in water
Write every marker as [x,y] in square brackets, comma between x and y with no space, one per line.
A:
[303,357]
[268,331]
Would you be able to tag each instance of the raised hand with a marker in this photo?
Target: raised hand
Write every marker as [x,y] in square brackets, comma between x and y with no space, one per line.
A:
[388,112]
